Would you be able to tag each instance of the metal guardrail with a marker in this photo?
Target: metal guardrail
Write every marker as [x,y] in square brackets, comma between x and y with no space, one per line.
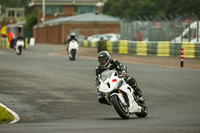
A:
[5,44]
[160,48]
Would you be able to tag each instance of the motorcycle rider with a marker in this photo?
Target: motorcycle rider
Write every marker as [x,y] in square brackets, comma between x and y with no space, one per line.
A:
[20,37]
[72,37]
[105,62]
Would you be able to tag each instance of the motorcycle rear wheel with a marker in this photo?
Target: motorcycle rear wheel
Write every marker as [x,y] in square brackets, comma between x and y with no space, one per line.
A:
[20,50]
[73,53]
[122,110]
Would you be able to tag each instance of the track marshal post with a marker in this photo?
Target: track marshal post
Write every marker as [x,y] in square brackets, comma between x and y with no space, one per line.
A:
[182,57]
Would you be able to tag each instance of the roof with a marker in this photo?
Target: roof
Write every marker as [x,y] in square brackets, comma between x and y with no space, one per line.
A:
[87,17]
[71,0]
[19,24]
[64,2]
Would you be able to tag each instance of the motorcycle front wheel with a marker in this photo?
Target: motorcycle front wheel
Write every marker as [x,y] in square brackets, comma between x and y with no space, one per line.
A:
[121,109]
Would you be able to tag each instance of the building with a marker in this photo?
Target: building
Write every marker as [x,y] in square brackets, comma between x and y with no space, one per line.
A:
[16,28]
[56,31]
[14,14]
[62,8]
[11,16]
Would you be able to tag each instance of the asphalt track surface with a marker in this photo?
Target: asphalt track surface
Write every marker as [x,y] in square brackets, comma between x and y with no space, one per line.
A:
[52,94]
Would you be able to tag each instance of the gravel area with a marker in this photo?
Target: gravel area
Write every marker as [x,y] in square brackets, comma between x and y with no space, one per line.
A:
[189,63]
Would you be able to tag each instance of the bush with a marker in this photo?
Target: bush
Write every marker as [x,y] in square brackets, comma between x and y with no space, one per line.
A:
[5,116]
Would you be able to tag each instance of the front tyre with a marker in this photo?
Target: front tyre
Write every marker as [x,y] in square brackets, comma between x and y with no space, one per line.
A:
[121,109]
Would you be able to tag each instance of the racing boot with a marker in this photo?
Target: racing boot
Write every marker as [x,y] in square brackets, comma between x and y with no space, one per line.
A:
[138,93]
[132,82]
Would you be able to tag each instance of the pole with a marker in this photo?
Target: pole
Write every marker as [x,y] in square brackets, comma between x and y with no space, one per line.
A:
[197,19]
[43,11]
[182,57]
[197,31]
[0,9]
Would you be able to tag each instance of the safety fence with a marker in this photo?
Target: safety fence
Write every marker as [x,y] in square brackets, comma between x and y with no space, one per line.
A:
[162,48]
[5,44]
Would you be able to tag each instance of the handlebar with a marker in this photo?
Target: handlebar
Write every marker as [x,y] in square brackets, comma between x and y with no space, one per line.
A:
[121,76]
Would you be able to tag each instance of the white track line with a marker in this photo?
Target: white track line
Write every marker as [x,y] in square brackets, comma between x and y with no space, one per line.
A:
[17,118]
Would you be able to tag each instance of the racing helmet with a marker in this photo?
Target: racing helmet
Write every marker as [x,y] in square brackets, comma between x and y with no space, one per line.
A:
[104,58]
[72,35]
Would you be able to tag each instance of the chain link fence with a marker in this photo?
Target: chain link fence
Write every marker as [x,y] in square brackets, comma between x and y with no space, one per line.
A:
[158,30]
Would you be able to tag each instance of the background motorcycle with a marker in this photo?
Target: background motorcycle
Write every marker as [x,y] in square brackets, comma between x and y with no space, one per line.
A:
[119,94]
[72,49]
[19,46]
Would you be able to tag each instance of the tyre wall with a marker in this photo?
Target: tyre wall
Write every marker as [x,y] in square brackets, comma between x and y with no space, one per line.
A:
[161,48]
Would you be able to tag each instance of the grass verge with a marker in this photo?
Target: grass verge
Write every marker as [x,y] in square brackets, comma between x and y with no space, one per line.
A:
[5,116]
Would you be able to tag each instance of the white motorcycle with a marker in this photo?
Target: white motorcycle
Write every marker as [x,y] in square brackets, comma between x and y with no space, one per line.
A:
[119,94]
[19,46]
[72,49]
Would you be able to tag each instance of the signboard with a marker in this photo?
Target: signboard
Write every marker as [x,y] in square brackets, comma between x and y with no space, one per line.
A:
[3,30]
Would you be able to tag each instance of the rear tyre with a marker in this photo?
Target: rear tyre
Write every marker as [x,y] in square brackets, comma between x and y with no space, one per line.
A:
[20,50]
[121,109]
[74,54]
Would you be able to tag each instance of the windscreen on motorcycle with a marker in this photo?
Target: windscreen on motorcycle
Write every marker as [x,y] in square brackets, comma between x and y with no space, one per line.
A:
[106,74]
[73,41]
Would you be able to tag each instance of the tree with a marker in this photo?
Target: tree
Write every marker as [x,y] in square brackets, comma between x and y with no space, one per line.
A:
[160,8]
[31,19]
[13,3]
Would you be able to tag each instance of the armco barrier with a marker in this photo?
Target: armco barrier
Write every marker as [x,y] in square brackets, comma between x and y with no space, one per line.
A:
[141,48]
[87,43]
[123,47]
[161,48]
[26,42]
[4,43]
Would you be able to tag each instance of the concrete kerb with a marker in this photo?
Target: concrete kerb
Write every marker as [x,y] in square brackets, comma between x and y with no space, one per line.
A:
[16,116]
